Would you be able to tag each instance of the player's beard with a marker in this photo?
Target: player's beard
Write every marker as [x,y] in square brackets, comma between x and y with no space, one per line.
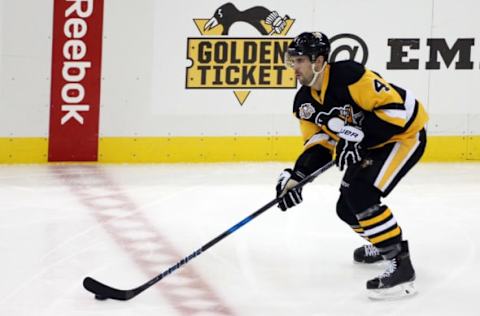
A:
[304,81]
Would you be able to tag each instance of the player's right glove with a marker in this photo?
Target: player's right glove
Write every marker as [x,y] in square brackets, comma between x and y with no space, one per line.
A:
[286,181]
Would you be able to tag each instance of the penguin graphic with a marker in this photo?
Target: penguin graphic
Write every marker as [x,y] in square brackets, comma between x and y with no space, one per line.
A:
[227,14]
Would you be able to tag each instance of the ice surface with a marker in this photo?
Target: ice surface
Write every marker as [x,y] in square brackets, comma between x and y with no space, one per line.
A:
[124,224]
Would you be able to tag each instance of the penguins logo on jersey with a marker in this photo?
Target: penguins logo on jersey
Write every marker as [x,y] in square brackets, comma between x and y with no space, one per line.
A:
[337,117]
[342,113]
[219,61]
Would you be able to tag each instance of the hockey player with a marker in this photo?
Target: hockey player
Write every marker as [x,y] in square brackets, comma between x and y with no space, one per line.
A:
[375,131]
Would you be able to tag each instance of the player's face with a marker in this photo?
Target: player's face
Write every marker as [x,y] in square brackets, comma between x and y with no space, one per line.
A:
[303,69]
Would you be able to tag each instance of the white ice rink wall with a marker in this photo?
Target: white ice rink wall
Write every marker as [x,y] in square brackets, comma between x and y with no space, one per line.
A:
[174,87]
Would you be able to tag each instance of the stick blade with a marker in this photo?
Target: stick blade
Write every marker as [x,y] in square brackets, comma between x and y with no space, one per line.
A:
[103,291]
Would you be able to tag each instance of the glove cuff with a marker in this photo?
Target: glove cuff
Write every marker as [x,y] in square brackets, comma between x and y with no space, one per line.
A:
[297,175]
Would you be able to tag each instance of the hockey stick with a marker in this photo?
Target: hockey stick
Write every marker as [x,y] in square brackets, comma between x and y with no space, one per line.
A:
[103,291]
[284,19]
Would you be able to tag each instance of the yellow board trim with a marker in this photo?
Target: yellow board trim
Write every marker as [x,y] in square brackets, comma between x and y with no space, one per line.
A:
[216,149]
[199,149]
[23,150]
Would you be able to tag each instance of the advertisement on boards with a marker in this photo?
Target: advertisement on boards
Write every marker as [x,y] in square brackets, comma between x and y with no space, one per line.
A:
[75,85]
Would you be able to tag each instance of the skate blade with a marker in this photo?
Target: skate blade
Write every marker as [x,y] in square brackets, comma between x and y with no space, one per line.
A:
[396,292]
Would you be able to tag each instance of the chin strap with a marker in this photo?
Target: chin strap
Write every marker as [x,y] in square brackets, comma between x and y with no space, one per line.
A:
[316,74]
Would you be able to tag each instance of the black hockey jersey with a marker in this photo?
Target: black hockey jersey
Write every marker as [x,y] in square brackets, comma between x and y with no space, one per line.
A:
[354,95]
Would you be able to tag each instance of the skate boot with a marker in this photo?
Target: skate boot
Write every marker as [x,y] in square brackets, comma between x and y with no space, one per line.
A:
[367,254]
[397,280]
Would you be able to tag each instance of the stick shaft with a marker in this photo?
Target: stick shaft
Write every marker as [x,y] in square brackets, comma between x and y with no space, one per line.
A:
[106,291]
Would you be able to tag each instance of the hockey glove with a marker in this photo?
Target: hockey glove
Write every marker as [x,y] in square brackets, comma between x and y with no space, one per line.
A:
[349,149]
[286,181]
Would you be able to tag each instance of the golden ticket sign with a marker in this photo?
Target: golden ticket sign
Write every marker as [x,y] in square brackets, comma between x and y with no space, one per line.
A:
[238,63]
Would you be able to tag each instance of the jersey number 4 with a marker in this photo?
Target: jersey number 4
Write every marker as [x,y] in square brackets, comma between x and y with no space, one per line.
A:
[379,86]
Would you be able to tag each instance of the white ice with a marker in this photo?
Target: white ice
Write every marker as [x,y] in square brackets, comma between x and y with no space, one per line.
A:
[124,224]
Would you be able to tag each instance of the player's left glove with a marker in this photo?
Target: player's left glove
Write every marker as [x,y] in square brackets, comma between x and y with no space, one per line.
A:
[349,149]
[286,181]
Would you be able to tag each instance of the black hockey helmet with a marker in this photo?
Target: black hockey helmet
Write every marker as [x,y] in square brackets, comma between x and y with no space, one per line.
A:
[310,44]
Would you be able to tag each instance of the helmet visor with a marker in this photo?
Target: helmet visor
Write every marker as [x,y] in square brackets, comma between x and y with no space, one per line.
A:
[288,58]
[293,57]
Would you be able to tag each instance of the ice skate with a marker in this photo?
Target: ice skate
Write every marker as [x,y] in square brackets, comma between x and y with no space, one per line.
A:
[367,254]
[396,281]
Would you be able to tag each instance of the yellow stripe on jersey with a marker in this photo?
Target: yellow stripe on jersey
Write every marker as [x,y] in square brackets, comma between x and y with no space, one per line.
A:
[391,234]
[376,219]
[313,135]
[308,129]
[399,155]
[418,123]
[371,92]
